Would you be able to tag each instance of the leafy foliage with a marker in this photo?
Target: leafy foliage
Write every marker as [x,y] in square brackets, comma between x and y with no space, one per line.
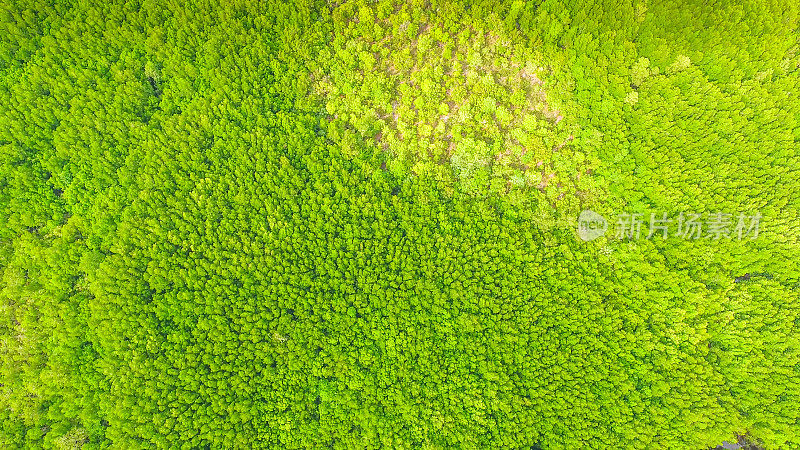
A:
[348,224]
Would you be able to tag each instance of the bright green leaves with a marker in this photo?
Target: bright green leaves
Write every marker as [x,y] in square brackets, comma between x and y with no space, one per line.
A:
[640,71]
[439,87]
[301,226]
[470,160]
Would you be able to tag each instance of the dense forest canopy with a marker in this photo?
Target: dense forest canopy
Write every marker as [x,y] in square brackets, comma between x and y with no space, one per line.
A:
[353,224]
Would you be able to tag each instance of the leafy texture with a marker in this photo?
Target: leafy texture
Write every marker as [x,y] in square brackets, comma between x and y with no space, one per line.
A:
[351,224]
